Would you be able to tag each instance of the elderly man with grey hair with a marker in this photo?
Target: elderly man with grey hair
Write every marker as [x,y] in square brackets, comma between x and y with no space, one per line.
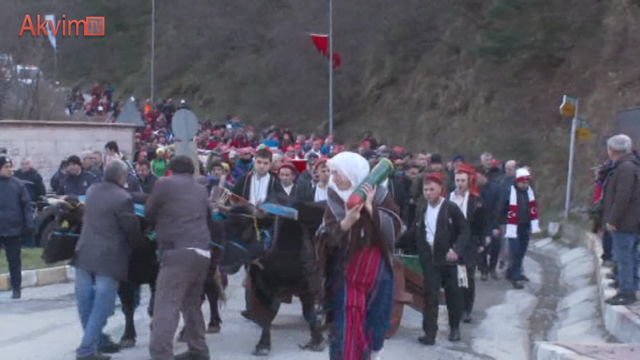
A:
[89,160]
[110,230]
[621,216]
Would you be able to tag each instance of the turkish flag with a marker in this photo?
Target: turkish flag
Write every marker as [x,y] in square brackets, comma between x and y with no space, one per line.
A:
[321,42]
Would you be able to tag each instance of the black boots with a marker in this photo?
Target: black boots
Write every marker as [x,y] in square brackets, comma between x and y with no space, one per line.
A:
[17,294]
[454,335]
[427,340]
[622,299]
[466,317]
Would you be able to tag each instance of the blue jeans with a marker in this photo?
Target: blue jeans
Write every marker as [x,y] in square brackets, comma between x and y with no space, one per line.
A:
[607,246]
[625,254]
[96,296]
[518,249]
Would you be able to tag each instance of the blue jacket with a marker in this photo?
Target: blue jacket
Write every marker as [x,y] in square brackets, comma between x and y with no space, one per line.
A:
[76,185]
[16,207]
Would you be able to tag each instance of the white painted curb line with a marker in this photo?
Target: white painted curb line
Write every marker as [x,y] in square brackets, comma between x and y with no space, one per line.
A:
[40,277]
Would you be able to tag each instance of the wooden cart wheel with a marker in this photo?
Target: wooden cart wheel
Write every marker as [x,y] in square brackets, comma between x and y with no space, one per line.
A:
[400,298]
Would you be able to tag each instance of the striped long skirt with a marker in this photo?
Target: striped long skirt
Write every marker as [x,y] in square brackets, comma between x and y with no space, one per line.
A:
[362,304]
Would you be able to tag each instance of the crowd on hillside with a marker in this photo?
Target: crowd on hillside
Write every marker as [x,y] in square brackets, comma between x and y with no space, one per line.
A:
[458,215]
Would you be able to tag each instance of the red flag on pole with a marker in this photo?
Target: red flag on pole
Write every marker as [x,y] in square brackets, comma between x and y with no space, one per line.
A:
[321,41]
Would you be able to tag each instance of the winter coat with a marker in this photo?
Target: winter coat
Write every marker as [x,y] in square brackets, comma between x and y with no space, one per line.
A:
[16,207]
[76,185]
[110,230]
[179,209]
[33,181]
[452,233]
[621,201]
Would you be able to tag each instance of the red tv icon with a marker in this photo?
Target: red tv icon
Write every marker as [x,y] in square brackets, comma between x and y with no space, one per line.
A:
[94,26]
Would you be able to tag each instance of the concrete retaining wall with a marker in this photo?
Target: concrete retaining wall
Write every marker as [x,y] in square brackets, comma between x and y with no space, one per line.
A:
[48,142]
[619,320]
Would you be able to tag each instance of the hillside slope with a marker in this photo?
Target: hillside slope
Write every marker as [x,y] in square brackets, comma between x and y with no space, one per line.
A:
[454,76]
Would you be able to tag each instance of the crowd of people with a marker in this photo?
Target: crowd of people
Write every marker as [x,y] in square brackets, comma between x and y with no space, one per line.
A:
[458,218]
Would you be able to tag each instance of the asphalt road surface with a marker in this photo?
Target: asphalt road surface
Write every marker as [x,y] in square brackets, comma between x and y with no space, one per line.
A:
[44,325]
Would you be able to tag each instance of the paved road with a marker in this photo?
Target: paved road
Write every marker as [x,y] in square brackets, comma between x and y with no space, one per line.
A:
[44,326]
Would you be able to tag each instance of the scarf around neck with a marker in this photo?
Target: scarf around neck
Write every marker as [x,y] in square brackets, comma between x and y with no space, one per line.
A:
[512,216]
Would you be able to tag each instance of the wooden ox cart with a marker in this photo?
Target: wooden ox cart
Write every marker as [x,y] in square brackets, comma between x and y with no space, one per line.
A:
[408,288]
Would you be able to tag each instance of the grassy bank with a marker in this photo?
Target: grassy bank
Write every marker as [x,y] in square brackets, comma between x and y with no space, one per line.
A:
[31,259]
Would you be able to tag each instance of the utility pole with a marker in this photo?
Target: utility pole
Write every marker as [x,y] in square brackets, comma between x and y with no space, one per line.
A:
[330,67]
[573,105]
[153,45]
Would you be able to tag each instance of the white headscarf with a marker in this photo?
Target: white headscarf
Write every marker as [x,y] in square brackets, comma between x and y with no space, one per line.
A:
[352,166]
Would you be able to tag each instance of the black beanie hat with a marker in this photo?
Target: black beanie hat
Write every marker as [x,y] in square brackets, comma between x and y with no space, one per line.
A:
[73,159]
[4,160]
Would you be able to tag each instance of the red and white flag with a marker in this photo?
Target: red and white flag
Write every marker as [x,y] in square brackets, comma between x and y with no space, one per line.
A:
[321,41]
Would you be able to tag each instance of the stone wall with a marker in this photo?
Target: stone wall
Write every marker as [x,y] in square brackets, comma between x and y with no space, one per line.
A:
[46,143]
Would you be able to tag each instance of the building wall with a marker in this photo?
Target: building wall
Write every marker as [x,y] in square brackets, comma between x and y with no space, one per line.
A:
[47,143]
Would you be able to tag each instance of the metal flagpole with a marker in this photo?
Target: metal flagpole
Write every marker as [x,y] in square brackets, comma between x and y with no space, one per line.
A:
[55,64]
[574,123]
[330,67]
[153,44]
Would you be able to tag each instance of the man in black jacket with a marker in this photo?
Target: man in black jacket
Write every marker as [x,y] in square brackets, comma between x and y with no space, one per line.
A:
[35,185]
[293,192]
[441,237]
[467,197]
[31,179]
[490,193]
[258,186]
[16,213]
[146,178]
[76,181]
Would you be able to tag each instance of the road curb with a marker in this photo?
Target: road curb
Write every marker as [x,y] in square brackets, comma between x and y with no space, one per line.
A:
[41,277]
[553,351]
[618,320]
[570,351]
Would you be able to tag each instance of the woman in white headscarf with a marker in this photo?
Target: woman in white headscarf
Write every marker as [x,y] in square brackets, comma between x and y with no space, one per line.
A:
[359,241]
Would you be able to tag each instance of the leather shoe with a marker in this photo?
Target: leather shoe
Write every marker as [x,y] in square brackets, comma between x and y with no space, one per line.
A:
[621,299]
[95,356]
[192,356]
[484,276]
[17,294]
[109,347]
[454,335]
[427,340]
[517,285]
[614,284]
[523,278]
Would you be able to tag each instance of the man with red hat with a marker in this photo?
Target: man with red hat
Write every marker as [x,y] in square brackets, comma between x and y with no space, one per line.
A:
[441,236]
[467,196]
[287,174]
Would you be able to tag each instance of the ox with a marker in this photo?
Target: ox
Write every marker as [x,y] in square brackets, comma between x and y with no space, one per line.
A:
[143,266]
[289,267]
